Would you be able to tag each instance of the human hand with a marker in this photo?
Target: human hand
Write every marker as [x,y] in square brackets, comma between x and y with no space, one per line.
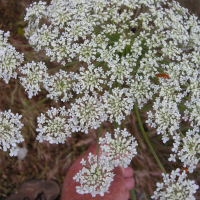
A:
[119,189]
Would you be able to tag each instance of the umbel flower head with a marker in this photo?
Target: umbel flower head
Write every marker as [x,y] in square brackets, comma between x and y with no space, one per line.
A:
[35,75]
[10,133]
[120,150]
[159,61]
[59,85]
[123,65]
[10,59]
[87,112]
[190,152]
[95,178]
[175,186]
[187,150]
[53,128]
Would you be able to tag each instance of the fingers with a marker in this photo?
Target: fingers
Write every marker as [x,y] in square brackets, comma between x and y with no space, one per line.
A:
[128,176]
[129,182]
[128,172]
[127,195]
[123,181]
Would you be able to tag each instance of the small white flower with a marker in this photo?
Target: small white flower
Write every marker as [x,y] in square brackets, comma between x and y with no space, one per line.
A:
[83,162]
[90,78]
[190,152]
[59,85]
[142,89]
[166,118]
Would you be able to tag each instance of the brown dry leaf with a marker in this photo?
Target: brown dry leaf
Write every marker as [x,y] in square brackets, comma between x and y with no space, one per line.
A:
[53,172]
[67,161]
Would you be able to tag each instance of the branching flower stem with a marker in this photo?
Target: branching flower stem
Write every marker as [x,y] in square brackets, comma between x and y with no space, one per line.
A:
[37,104]
[45,59]
[147,140]
[99,135]
[60,67]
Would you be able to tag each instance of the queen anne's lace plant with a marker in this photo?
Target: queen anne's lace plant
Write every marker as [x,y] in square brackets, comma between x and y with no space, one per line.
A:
[175,186]
[120,150]
[53,128]
[10,133]
[10,59]
[144,51]
[95,178]
[35,75]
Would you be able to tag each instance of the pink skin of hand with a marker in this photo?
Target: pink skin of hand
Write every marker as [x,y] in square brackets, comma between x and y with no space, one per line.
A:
[119,189]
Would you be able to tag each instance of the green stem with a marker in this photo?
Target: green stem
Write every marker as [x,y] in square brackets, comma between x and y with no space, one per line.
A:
[98,64]
[23,45]
[36,60]
[132,194]
[181,133]
[99,134]
[147,140]
[37,104]
[60,67]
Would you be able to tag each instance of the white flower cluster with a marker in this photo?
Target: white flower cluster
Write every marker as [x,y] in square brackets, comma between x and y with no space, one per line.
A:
[54,127]
[166,118]
[175,186]
[118,151]
[190,149]
[10,59]
[118,102]
[97,176]
[59,85]
[10,133]
[87,112]
[132,51]
[35,75]
[90,78]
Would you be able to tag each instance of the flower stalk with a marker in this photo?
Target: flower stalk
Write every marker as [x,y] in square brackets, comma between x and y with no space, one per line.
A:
[147,140]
